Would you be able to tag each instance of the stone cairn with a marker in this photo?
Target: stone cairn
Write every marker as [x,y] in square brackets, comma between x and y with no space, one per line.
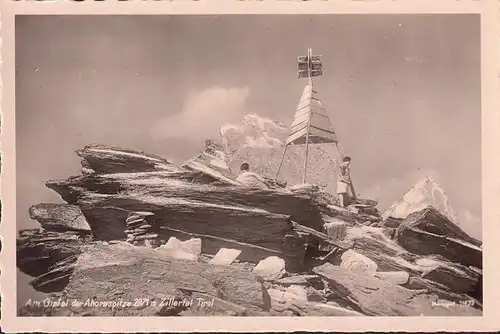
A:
[139,231]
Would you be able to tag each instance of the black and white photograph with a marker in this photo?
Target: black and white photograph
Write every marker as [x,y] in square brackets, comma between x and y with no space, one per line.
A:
[248,165]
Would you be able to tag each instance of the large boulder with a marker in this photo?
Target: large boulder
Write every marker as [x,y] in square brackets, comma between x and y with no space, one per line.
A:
[429,232]
[59,217]
[107,159]
[373,296]
[357,262]
[153,285]
[212,162]
[270,269]
[49,256]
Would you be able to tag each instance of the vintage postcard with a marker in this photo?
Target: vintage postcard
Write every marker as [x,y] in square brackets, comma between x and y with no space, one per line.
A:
[250,166]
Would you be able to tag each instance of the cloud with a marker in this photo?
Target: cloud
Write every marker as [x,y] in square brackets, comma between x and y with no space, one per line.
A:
[203,113]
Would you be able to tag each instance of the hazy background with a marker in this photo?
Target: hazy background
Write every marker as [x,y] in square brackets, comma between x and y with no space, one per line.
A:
[402,91]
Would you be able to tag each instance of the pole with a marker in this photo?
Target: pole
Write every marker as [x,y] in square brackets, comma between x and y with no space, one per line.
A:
[307,153]
[281,163]
[309,68]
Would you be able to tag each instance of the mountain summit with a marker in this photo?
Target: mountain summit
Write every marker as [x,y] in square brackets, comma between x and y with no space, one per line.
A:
[424,193]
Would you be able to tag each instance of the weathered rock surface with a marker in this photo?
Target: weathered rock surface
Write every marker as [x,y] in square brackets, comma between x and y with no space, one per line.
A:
[358,263]
[44,254]
[394,277]
[190,212]
[225,256]
[121,271]
[336,229]
[191,246]
[372,296]
[173,195]
[429,232]
[270,269]
[106,159]
[213,163]
[59,217]
[300,280]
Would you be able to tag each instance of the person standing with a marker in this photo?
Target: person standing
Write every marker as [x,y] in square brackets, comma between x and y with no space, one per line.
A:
[344,181]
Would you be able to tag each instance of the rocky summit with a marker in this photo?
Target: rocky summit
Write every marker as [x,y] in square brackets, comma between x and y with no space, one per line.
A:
[139,236]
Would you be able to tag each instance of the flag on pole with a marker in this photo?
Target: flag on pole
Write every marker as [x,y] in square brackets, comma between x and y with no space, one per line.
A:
[315,63]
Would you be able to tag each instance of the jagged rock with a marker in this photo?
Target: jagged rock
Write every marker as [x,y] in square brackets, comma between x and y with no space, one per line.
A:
[299,280]
[394,277]
[178,198]
[213,163]
[225,257]
[372,296]
[392,222]
[429,232]
[146,237]
[239,223]
[270,269]
[176,253]
[106,159]
[354,261]
[191,246]
[139,229]
[442,291]
[374,243]
[290,294]
[199,200]
[335,229]
[40,252]
[220,306]
[314,295]
[329,310]
[458,279]
[70,188]
[298,292]
[143,274]
[59,217]
[301,308]
[319,196]
[249,252]
[347,215]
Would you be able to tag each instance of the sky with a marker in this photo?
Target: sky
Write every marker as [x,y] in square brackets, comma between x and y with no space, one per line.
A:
[402,91]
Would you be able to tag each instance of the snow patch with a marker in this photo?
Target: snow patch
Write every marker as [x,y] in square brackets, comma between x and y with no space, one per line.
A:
[262,142]
[125,154]
[219,164]
[202,168]
[261,122]
[423,194]
[227,127]
[375,233]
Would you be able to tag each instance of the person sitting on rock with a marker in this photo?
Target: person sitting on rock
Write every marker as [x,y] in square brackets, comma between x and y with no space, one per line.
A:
[344,182]
[251,179]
